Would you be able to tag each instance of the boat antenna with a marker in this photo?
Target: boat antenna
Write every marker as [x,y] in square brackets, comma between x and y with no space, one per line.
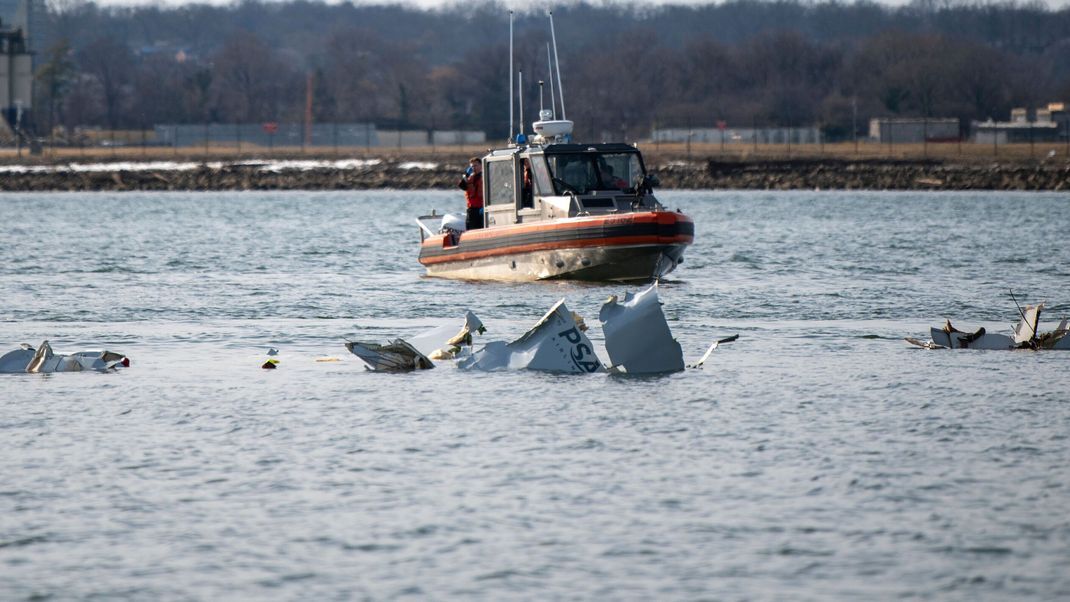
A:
[542,103]
[557,61]
[550,70]
[511,76]
[520,95]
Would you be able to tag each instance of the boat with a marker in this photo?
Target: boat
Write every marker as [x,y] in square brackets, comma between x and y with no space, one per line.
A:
[557,209]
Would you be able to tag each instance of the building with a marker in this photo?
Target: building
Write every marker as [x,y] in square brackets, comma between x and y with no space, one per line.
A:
[1044,124]
[913,130]
[1012,132]
[16,80]
[321,135]
[774,135]
[32,18]
[1059,114]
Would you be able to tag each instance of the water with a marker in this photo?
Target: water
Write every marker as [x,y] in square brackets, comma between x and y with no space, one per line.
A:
[818,457]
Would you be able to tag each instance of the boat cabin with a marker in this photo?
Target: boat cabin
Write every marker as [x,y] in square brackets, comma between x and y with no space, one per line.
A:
[538,183]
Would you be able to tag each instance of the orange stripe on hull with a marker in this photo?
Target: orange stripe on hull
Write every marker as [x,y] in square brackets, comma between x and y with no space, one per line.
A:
[548,246]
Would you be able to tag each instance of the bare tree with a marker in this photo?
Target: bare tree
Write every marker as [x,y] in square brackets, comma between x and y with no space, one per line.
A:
[111,64]
[251,83]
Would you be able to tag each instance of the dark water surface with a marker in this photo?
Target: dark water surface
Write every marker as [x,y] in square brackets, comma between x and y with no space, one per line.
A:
[819,457]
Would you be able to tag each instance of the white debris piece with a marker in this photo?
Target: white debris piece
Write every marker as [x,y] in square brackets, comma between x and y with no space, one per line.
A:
[1027,335]
[706,356]
[44,361]
[445,342]
[397,356]
[638,338]
[16,361]
[1026,330]
[554,344]
[953,338]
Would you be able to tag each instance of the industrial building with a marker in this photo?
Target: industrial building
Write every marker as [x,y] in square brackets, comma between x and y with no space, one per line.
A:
[913,130]
[31,17]
[16,83]
[1050,123]
[269,135]
[772,135]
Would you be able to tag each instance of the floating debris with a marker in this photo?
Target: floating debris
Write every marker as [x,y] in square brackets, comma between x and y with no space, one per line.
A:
[44,361]
[397,356]
[638,338]
[554,344]
[1025,335]
[715,345]
[271,363]
[438,344]
[638,341]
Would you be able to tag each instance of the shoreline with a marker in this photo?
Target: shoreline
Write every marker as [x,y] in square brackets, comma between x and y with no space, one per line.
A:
[804,173]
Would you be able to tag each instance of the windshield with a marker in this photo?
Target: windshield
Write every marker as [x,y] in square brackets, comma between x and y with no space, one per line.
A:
[583,172]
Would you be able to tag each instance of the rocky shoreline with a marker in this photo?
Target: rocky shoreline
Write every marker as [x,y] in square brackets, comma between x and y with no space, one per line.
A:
[753,174]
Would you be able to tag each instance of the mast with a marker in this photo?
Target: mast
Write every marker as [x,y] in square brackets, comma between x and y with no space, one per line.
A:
[520,95]
[510,77]
[550,72]
[557,61]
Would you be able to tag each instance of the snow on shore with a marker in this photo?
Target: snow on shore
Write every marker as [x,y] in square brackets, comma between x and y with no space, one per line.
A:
[261,165]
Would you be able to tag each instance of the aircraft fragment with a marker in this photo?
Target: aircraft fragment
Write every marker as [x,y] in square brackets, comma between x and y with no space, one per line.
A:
[271,363]
[438,344]
[396,356]
[1026,335]
[45,361]
[555,344]
[713,346]
[638,339]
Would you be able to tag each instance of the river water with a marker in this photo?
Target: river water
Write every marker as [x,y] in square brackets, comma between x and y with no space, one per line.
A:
[818,457]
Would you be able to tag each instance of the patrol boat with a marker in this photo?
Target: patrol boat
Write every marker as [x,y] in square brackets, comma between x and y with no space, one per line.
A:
[554,209]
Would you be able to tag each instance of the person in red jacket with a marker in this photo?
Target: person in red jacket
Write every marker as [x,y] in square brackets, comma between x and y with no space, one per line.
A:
[472,185]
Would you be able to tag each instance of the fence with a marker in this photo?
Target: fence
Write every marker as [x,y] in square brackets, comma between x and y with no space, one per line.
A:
[290,139]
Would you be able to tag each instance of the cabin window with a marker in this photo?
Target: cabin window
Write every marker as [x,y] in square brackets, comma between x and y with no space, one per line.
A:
[619,170]
[583,172]
[542,176]
[501,183]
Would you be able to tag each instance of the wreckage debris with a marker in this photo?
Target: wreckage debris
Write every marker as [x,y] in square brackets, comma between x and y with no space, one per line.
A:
[396,356]
[399,355]
[554,344]
[637,336]
[437,344]
[638,339]
[271,363]
[714,346]
[1025,335]
[43,360]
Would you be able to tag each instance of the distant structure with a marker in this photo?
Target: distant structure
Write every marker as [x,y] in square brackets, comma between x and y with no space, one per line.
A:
[321,135]
[913,130]
[16,82]
[32,18]
[774,135]
[1044,124]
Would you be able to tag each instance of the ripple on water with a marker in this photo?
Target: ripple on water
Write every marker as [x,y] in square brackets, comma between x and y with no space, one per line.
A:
[818,456]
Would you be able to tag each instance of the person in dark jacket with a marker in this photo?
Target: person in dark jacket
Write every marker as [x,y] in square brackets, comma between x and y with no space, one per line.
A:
[472,185]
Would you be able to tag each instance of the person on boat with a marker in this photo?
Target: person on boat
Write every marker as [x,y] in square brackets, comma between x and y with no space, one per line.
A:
[527,198]
[611,180]
[472,185]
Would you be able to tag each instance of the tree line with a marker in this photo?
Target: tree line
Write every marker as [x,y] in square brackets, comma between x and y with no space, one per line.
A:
[625,68]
